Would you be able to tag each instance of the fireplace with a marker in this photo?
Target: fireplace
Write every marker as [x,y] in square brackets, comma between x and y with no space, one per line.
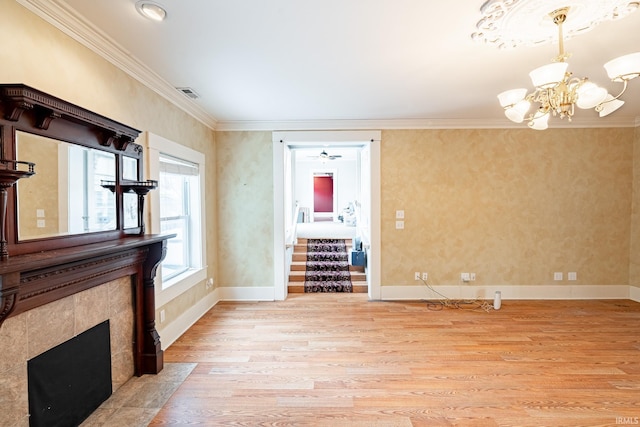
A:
[58,284]
[53,298]
[33,333]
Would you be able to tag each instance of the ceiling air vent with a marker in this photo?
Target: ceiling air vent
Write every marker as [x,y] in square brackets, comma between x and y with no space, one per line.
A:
[189,92]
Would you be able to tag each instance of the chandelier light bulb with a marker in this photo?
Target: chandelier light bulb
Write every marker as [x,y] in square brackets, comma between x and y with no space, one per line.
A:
[590,95]
[518,111]
[549,75]
[511,97]
[623,68]
[540,121]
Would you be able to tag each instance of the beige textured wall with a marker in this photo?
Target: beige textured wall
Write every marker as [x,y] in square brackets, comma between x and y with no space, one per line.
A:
[513,206]
[40,191]
[41,56]
[245,208]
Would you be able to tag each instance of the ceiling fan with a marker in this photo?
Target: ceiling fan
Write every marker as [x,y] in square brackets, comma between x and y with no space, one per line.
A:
[325,156]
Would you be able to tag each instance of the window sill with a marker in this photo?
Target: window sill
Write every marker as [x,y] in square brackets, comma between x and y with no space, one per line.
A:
[178,285]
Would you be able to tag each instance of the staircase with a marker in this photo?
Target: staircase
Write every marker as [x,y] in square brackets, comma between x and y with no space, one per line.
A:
[299,266]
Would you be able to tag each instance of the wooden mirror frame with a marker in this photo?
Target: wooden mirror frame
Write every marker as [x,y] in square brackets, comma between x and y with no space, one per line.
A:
[27,109]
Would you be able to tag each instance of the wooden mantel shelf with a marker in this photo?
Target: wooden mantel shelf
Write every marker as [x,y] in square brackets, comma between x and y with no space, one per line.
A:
[31,280]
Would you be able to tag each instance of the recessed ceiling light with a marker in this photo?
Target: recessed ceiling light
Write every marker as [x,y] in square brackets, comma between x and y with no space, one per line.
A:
[151,10]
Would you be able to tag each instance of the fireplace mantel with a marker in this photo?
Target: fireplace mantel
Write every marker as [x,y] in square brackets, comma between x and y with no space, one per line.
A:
[32,280]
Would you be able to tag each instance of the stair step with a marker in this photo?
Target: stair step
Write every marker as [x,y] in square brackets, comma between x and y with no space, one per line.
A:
[301,245]
[298,288]
[299,266]
[302,266]
[298,276]
[304,240]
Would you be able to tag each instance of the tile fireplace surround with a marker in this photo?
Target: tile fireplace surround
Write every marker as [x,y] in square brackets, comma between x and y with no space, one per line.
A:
[29,334]
[82,296]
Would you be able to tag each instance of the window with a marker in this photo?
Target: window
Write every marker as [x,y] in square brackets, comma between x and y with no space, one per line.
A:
[178,207]
[179,214]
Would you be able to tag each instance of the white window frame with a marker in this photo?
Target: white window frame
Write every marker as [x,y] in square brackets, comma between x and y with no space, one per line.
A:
[156,144]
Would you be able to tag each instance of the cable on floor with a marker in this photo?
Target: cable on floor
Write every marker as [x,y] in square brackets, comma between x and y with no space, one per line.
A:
[459,304]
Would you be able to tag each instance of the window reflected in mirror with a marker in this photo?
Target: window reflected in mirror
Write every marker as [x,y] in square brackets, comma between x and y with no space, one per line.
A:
[129,168]
[130,202]
[64,197]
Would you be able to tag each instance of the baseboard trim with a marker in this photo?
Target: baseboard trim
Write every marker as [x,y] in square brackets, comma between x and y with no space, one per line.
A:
[247,293]
[549,292]
[172,331]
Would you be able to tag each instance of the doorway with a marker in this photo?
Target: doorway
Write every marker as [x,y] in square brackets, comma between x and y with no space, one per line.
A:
[285,145]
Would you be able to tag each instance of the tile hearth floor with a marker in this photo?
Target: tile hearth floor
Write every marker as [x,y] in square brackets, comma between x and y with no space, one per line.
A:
[139,399]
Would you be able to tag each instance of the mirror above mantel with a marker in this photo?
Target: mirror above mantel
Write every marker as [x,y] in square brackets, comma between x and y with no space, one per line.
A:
[64,204]
[64,197]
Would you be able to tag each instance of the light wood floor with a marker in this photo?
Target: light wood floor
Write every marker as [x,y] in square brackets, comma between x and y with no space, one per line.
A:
[339,360]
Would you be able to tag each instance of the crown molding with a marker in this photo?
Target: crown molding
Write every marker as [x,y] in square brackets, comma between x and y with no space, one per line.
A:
[390,124]
[61,16]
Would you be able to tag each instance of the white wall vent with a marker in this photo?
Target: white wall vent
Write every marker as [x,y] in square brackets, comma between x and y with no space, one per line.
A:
[189,92]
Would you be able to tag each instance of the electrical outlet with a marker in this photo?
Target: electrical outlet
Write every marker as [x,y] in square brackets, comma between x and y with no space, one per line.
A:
[425,276]
[572,275]
[416,275]
[465,277]
[557,275]
[399,225]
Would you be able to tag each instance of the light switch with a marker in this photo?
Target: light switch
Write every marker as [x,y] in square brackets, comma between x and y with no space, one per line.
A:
[39,213]
[399,214]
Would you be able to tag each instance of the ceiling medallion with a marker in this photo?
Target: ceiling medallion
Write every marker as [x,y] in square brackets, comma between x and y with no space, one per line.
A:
[511,23]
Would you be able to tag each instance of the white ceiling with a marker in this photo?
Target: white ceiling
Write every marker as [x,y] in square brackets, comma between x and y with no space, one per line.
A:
[296,64]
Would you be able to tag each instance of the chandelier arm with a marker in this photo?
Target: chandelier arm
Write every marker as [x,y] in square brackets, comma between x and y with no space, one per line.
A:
[600,106]
[625,83]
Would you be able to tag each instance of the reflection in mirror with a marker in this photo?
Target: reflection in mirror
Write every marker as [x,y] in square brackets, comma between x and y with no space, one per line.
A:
[64,197]
[130,202]
[129,168]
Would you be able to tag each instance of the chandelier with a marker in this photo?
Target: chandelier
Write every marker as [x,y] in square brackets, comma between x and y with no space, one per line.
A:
[557,92]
